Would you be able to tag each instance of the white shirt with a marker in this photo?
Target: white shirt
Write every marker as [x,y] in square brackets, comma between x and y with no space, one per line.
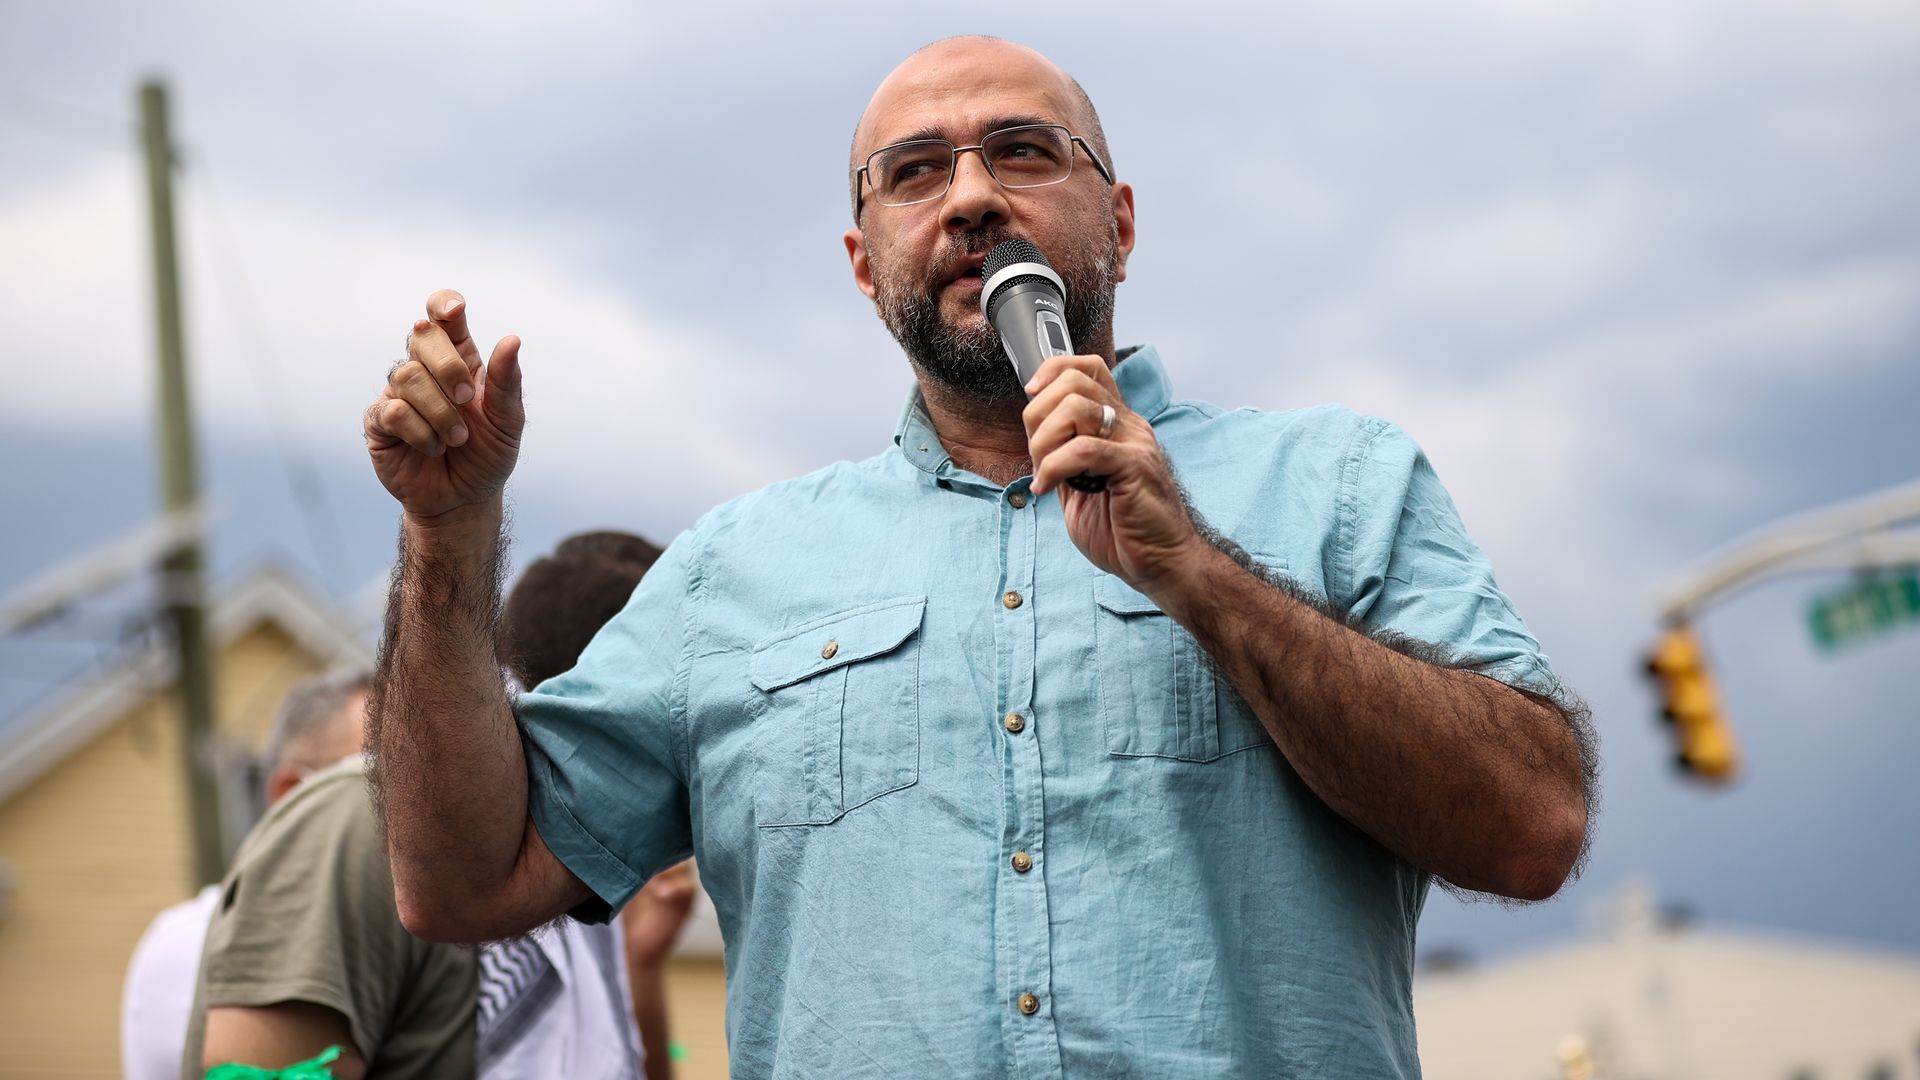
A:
[159,990]
[557,1003]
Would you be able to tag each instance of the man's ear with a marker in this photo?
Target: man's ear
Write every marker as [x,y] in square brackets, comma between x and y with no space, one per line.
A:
[1123,225]
[282,779]
[857,254]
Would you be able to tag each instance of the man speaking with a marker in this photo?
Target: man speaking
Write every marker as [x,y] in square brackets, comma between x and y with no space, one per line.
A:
[988,774]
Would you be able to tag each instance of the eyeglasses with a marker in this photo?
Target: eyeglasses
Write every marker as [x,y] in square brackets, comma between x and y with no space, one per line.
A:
[1033,155]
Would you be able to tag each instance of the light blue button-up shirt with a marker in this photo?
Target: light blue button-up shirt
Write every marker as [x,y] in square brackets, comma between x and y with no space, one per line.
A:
[969,807]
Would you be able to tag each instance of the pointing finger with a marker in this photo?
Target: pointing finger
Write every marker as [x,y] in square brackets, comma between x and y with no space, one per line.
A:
[449,309]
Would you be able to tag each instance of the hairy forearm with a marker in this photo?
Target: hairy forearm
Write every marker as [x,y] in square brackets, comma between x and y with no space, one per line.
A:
[1458,774]
[449,773]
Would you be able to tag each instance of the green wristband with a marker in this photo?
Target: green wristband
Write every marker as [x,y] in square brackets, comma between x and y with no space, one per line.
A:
[312,1069]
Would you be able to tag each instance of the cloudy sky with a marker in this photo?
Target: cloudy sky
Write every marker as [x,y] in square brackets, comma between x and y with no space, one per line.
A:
[1641,277]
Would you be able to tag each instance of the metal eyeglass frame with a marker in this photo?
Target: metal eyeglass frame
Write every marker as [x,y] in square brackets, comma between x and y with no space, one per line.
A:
[863,177]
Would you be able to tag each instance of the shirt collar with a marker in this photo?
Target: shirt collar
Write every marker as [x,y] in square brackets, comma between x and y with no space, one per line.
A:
[1138,373]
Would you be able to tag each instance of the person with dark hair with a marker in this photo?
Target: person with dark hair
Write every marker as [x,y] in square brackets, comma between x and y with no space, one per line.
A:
[990,774]
[559,603]
[564,598]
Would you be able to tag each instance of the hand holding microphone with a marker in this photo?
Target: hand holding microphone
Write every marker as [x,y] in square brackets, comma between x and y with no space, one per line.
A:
[1081,433]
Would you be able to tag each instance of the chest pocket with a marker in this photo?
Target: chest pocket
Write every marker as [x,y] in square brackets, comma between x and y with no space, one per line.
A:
[839,712]
[1159,694]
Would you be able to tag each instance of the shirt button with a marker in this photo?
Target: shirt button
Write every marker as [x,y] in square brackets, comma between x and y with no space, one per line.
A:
[1014,723]
[1012,600]
[1017,499]
[1022,862]
[1029,1004]
[827,650]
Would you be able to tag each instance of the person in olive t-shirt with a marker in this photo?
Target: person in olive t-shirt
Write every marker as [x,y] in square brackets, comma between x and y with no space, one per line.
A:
[306,947]
[307,916]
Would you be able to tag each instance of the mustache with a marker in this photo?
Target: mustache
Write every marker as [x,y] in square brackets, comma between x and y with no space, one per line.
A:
[960,247]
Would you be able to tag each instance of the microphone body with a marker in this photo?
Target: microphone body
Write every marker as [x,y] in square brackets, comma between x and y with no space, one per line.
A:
[1026,309]
[1025,302]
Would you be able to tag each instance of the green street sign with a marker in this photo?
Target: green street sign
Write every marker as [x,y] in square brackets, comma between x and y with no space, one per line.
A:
[1868,608]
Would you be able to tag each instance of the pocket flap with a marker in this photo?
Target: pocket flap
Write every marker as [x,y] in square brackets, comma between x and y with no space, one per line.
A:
[1121,598]
[836,640]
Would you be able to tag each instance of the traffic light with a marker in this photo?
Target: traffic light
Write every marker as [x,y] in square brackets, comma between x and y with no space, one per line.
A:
[1704,739]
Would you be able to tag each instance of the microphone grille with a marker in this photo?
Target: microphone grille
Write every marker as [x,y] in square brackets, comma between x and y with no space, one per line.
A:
[1008,252]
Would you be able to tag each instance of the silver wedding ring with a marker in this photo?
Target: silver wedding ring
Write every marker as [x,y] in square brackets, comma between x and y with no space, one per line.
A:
[1106,420]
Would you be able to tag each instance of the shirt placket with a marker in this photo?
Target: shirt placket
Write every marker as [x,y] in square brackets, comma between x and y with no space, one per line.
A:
[1026,963]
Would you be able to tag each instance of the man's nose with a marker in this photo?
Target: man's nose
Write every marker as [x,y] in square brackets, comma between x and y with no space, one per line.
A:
[975,199]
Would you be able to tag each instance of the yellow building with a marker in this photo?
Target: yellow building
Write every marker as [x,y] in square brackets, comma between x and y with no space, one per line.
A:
[94,830]
[94,823]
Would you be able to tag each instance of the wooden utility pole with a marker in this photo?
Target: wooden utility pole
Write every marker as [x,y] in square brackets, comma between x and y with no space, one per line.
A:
[181,571]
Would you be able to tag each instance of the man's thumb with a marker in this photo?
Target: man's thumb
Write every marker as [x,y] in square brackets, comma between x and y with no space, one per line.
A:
[503,381]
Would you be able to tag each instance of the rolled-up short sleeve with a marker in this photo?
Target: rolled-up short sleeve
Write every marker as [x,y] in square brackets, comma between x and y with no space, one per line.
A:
[1413,570]
[605,742]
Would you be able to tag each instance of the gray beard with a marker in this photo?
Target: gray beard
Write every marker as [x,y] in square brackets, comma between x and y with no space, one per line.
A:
[969,362]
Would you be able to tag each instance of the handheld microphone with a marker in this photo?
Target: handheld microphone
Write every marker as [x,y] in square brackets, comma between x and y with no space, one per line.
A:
[1026,304]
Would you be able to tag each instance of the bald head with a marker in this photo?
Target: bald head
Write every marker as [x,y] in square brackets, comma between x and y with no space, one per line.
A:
[944,76]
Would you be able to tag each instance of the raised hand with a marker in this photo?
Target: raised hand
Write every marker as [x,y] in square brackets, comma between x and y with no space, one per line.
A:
[445,432]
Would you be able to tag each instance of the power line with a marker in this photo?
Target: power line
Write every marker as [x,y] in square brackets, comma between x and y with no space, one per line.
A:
[303,480]
[29,110]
